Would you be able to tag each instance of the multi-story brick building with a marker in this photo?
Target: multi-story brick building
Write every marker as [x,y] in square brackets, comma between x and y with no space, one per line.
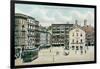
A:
[60,34]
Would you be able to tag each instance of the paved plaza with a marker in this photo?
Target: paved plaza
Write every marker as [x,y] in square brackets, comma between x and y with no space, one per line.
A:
[47,56]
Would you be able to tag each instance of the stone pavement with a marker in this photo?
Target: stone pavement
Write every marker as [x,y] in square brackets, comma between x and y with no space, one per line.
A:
[47,56]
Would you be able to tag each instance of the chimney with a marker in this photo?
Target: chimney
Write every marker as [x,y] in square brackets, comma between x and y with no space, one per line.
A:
[85,22]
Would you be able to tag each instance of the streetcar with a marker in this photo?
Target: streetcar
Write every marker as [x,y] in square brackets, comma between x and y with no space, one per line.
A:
[29,54]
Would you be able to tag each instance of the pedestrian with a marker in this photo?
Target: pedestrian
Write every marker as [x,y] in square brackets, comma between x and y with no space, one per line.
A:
[50,50]
[57,53]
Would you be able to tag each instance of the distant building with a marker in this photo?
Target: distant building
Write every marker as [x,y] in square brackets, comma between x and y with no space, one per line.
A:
[89,34]
[26,32]
[49,38]
[44,36]
[77,40]
[33,32]
[60,34]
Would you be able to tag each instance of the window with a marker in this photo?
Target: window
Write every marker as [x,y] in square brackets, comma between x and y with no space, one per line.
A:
[81,35]
[20,34]
[23,33]
[29,20]
[81,41]
[73,47]
[81,48]
[73,41]
[31,27]
[77,34]
[17,20]
[67,47]
[23,26]
[73,34]
[77,48]
[77,41]
[21,21]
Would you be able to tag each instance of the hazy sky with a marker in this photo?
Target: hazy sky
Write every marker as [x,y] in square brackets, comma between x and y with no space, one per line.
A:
[48,15]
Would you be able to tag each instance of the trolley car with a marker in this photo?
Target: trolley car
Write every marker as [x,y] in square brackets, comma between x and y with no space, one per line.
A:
[29,54]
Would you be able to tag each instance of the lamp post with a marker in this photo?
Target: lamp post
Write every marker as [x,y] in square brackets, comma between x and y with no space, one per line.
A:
[53,59]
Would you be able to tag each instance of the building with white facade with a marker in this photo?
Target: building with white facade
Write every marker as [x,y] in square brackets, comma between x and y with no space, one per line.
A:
[77,40]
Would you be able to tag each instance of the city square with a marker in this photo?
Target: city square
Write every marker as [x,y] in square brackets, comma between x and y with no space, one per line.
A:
[47,57]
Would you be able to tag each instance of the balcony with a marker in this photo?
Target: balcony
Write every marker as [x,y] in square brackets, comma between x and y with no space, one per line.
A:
[78,43]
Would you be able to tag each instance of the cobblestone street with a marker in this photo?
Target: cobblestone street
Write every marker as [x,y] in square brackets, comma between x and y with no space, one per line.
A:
[49,55]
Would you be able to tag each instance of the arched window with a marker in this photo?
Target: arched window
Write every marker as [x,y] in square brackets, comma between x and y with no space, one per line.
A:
[77,41]
[81,35]
[81,41]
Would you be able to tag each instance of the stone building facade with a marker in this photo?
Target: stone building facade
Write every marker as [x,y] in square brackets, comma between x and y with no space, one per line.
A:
[77,40]
[26,32]
[44,36]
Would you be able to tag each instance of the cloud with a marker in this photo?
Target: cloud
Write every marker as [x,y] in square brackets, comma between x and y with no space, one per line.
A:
[90,18]
[41,15]
[60,18]
[47,15]
[17,10]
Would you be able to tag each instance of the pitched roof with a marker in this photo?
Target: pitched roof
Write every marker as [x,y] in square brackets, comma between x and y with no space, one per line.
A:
[88,28]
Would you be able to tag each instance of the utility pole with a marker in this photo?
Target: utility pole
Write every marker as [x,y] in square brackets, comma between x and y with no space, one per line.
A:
[53,59]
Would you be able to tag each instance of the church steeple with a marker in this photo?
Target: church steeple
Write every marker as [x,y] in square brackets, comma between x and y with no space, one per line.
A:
[76,22]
